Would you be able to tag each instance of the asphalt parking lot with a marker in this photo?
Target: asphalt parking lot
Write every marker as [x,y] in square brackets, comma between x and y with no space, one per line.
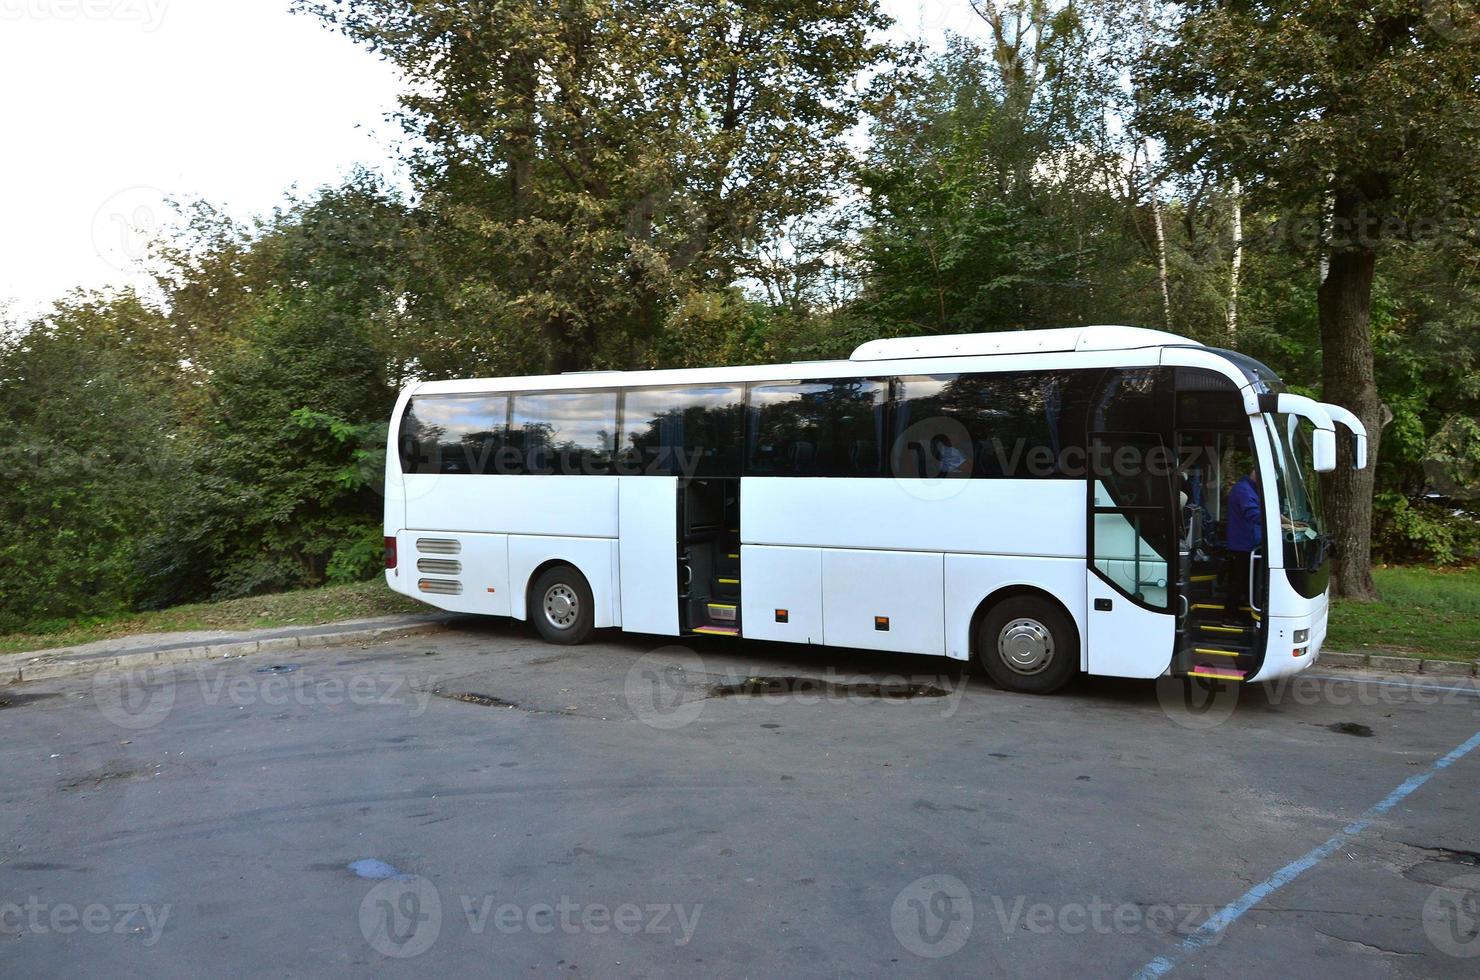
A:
[477,801]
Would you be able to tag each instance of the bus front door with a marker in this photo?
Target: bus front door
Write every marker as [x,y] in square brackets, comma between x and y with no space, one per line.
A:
[1131,573]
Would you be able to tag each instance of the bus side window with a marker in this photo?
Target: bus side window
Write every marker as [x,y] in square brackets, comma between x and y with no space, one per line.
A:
[453,433]
[817,428]
[687,431]
[564,432]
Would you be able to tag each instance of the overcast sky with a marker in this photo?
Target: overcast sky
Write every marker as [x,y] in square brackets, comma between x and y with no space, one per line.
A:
[110,105]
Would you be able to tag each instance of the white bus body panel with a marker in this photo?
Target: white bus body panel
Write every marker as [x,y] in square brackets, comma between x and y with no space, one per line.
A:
[484,575]
[1002,517]
[971,578]
[595,557]
[907,588]
[781,578]
[579,507]
[1128,640]
[649,553]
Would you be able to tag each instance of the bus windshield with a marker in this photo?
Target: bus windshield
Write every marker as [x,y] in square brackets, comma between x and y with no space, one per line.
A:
[1299,499]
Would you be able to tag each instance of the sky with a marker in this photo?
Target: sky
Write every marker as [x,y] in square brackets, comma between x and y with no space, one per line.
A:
[113,106]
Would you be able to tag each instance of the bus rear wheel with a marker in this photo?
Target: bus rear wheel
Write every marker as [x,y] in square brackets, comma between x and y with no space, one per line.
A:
[561,606]
[1026,643]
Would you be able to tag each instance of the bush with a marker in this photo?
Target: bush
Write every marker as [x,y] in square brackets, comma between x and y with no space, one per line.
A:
[1423,532]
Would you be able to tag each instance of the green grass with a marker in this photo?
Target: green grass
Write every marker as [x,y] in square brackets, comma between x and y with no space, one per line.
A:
[1424,612]
[306,608]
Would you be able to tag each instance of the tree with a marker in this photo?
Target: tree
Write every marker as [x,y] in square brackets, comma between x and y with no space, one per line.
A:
[89,463]
[586,164]
[1367,112]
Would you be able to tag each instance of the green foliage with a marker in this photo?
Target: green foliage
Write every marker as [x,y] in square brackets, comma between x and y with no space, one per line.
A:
[591,170]
[607,183]
[90,465]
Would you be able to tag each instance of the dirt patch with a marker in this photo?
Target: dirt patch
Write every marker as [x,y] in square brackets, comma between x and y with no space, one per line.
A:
[19,700]
[473,697]
[815,687]
[1350,728]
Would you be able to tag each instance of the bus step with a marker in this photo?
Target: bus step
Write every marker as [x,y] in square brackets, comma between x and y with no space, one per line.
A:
[718,630]
[722,612]
[1217,652]
[1218,673]
[1223,629]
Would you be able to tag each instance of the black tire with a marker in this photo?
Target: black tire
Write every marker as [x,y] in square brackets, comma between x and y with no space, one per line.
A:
[1026,643]
[561,606]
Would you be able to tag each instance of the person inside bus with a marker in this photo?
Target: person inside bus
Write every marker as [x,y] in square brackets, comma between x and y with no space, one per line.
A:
[1245,534]
[950,459]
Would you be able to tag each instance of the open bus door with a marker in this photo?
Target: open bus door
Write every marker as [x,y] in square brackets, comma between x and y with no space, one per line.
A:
[1132,571]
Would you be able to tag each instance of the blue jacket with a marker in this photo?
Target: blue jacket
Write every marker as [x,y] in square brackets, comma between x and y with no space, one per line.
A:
[1245,516]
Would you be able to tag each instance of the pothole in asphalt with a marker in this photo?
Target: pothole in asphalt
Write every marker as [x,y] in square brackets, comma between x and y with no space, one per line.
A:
[1350,728]
[473,697]
[815,687]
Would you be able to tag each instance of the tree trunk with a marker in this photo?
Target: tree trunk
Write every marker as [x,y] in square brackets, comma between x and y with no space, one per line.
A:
[1236,265]
[1348,380]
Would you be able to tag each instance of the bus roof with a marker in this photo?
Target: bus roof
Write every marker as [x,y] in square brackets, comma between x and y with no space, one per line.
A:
[923,353]
[1101,337]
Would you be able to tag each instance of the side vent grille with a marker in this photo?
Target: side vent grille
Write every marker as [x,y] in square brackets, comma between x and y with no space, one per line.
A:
[439,546]
[439,566]
[440,586]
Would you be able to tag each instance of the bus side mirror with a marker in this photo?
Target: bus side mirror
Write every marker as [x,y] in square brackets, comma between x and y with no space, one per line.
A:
[1323,448]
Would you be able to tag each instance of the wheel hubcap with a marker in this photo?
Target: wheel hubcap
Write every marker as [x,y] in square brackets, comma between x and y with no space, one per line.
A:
[561,606]
[1026,646]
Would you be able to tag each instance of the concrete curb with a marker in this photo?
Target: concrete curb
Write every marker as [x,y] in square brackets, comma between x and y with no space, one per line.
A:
[46,666]
[1400,665]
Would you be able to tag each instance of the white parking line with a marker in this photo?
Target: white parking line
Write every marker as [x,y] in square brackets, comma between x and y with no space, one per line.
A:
[1229,914]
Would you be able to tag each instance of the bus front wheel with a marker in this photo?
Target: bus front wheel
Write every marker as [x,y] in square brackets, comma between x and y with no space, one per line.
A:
[1026,643]
[561,606]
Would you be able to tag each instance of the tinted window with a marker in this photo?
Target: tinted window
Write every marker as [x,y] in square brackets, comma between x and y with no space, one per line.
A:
[817,428]
[564,432]
[688,431]
[1015,424]
[453,433]
[1134,400]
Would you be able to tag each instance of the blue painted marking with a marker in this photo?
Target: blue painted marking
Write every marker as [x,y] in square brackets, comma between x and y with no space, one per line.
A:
[1231,913]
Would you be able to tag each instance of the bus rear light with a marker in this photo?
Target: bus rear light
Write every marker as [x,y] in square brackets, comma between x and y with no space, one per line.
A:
[390,553]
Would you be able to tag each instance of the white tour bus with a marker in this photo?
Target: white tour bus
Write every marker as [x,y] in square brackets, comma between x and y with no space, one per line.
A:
[1044,501]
